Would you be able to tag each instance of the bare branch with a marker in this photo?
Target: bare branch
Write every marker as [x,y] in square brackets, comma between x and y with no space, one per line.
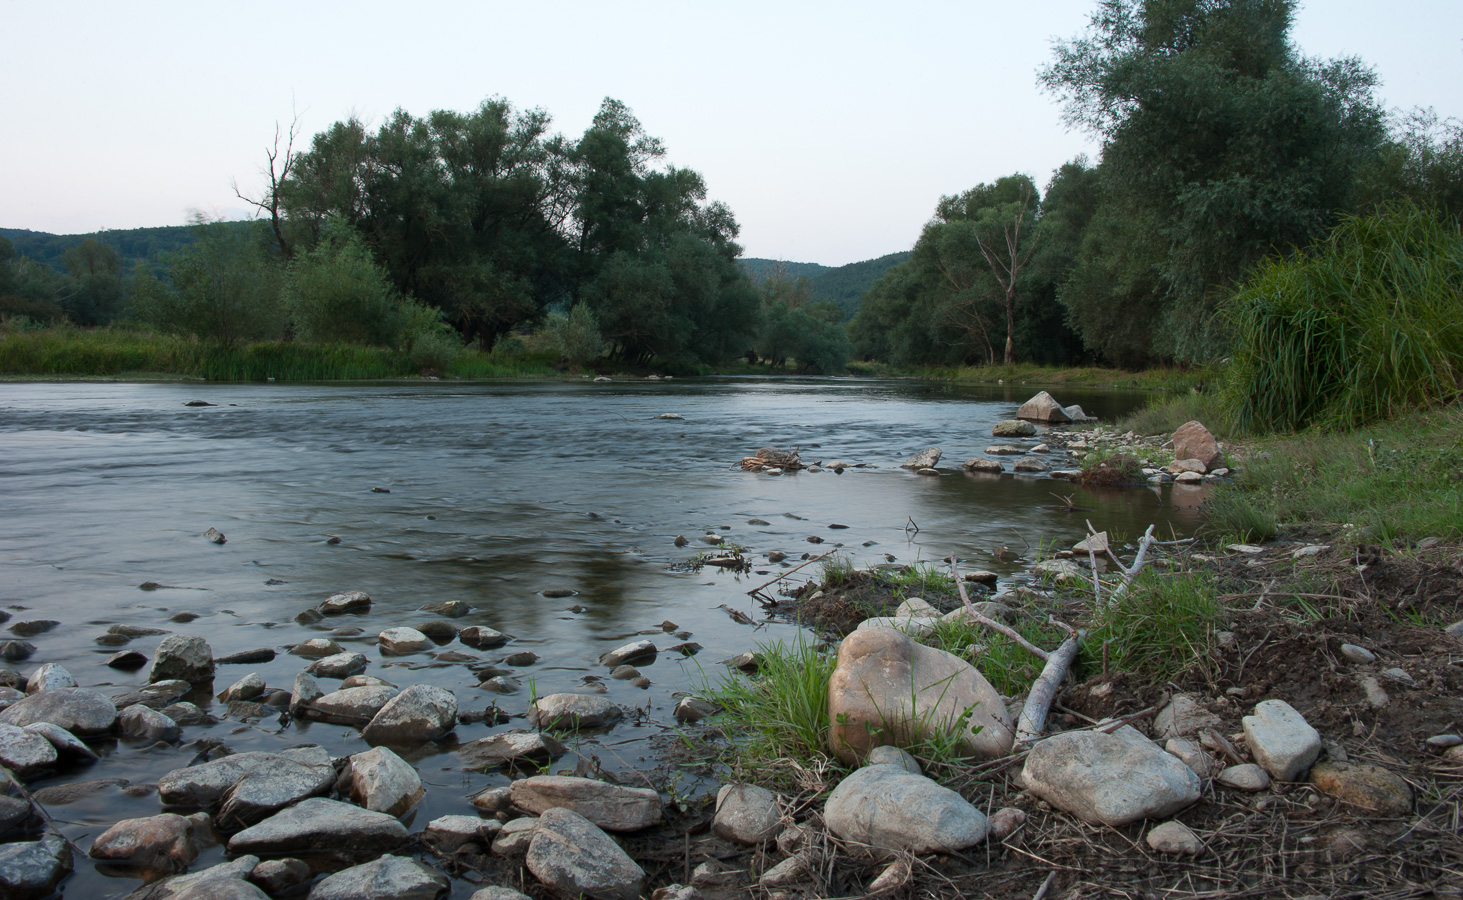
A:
[993,625]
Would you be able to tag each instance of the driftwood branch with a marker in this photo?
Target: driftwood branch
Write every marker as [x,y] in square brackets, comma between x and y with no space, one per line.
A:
[1139,561]
[992,624]
[757,591]
[1044,690]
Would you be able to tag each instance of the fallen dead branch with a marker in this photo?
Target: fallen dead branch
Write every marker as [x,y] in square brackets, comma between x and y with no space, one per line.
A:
[757,591]
[992,624]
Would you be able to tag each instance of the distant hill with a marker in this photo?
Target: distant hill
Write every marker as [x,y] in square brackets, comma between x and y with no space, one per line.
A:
[844,285]
[134,245]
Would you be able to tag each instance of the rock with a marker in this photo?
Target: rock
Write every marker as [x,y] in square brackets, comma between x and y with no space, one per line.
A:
[1008,428]
[482,638]
[1176,838]
[316,648]
[569,854]
[914,627]
[1193,441]
[49,677]
[403,640]
[893,756]
[15,814]
[1188,478]
[991,609]
[925,459]
[246,688]
[438,630]
[67,744]
[1030,466]
[418,714]
[1245,777]
[153,696]
[1358,655]
[306,692]
[341,665]
[1369,787]
[15,651]
[447,833]
[498,893]
[1192,755]
[1097,543]
[320,824]
[24,752]
[387,878]
[212,535]
[348,602]
[127,660]
[879,670]
[30,870]
[1183,466]
[82,712]
[1042,408]
[225,881]
[1006,450]
[1375,694]
[302,771]
[162,843]
[521,659]
[1183,716]
[276,876]
[187,658]
[1060,571]
[571,712]
[609,806]
[1309,551]
[1455,631]
[1281,740]
[891,809]
[1075,413]
[33,627]
[1109,779]
[1400,676]
[246,657]
[746,814]
[636,652]
[981,576]
[675,892]
[515,837]
[383,782]
[502,684]
[1005,821]
[980,464]
[1444,741]
[790,871]
[694,709]
[144,724]
[493,799]
[9,695]
[351,706]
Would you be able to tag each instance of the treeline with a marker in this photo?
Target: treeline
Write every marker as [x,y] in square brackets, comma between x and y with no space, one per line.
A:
[1222,145]
[457,228]
[842,285]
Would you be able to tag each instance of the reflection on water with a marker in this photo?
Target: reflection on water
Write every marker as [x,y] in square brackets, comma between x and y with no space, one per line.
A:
[496,494]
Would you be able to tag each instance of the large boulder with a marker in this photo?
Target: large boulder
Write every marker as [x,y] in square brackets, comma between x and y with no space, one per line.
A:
[82,712]
[381,781]
[1109,779]
[569,854]
[187,658]
[881,670]
[887,807]
[1043,408]
[418,714]
[387,878]
[1193,441]
[320,824]
[30,870]
[609,806]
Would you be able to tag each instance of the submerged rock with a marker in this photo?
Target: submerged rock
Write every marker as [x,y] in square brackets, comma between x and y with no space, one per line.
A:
[482,638]
[570,712]
[156,843]
[30,870]
[347,602]
[1007,428]
[506,749]
[925,459]
[186,658]
[146,724]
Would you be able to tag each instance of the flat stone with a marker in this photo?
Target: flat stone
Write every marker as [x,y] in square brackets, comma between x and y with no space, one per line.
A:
[482,638]
[746,814]
[351,706]
[30,870]
[404,640]
[452,609]
[64,794]
[1030,465]
[924,459]
[153,696]
[418,714]
[1174,838]
[1370,787]
[886,680]
[225,881]
[1185,466]
[246,657]
[509,748]
[1007,428]
[387,878]
[1376,695]
[347,602]
[246,688]
[304,770]
[447,833]
[1182,716]
[981,464]
[1281,740]
[82,712]
[324,825]
[1444,741]
[316,648]
[275,876]
[1060,571]
[569,854]
[891,809]
[633,652]
[789,872]
[67,744]
[570,712]
[127,660]
[162,843]
[383,782]
[1244,777]
[609,806]
[341,665]
[187,658]
[146,724]
[694,709]
[1109,779]
[1005,450]
[24,752]
[1359,655]
[1097,543]
[49,677]
[515,837]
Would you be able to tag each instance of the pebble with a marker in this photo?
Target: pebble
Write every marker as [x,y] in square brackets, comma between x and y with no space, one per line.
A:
[1444,741]
[1176,838]
[1245,777]
[1400,676]
[1375,695]
[1353,653]
[746,814]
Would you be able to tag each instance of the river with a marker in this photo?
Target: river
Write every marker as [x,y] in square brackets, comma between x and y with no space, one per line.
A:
[487,493]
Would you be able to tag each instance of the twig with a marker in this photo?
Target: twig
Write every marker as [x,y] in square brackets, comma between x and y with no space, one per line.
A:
[991,623]
[911,524]
[1045,886]
[758,589]
[1092,558]
[1044,691]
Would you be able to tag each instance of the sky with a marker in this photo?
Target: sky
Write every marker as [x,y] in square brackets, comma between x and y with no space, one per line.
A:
[830,129]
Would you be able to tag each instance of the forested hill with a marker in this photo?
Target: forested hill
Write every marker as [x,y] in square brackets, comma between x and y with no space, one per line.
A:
[133,245]
[843,285]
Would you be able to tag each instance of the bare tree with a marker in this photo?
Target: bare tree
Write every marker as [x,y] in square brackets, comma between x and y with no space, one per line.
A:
[1007,268]
[278,170]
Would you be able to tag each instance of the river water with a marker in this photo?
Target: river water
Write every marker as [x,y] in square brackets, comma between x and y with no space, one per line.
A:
[497,493]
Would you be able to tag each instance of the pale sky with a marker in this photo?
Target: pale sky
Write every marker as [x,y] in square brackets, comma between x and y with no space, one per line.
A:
[830,129]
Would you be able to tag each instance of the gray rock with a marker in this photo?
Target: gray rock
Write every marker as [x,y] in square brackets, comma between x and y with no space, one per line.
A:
[304,771]
[790,871]
[1444,741]
[383,782]
[893,756]
[1042,408]
[225,881]
[509,748]
[447,833]
[63,794]
[365,681]
[609,806]
[67,744]
[1030,466]
[1353,653]
[49,677]
[9,695]
[246,688]
[82,712]
[24,752]
[891,809]
[1009,428]
[316,648]
[246,657]
[452,609]
[924,459]
[341,665]
[387,878]
[1192,755]
[520,659]
[276,876]
[1183,716]
[981,464]
[694,709]
[212,535]
[1376,695]
[438,630]
[502,684]
[515,837]
[350,706]
[570,712]
[127,660]
[15,651]
[154,696]
[1280,739]
[320,824]
[187,658]
[568,853]
[162,843]
[1400,676]
[633,652]
[348,602]
[418,714]
[1109,779]
[1175,838]
[493,799]
[30,870]
[1245,777]
[142,723]
[1075,413]
[15,814]
[498,893]
[403,640]
[747,814]
[482,638]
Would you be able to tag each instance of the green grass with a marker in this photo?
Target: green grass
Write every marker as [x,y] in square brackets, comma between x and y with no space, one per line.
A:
[1162,627]
[782,711]
[1164,415]
[1157,379]
[1009,667]
[917,579]
[1234,514]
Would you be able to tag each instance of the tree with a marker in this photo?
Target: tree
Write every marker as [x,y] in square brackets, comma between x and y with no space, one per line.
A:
[280,164]
[225,287]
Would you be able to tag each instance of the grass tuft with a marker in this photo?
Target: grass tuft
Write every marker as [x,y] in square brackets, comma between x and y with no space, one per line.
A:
[1162,627]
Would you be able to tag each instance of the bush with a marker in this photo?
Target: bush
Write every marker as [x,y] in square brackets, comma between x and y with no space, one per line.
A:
[1360,328]
[576,336]
[336,293]
[225,288]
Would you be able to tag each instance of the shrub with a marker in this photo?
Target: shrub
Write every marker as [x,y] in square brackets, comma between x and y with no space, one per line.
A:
[335,292]
[576,336]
